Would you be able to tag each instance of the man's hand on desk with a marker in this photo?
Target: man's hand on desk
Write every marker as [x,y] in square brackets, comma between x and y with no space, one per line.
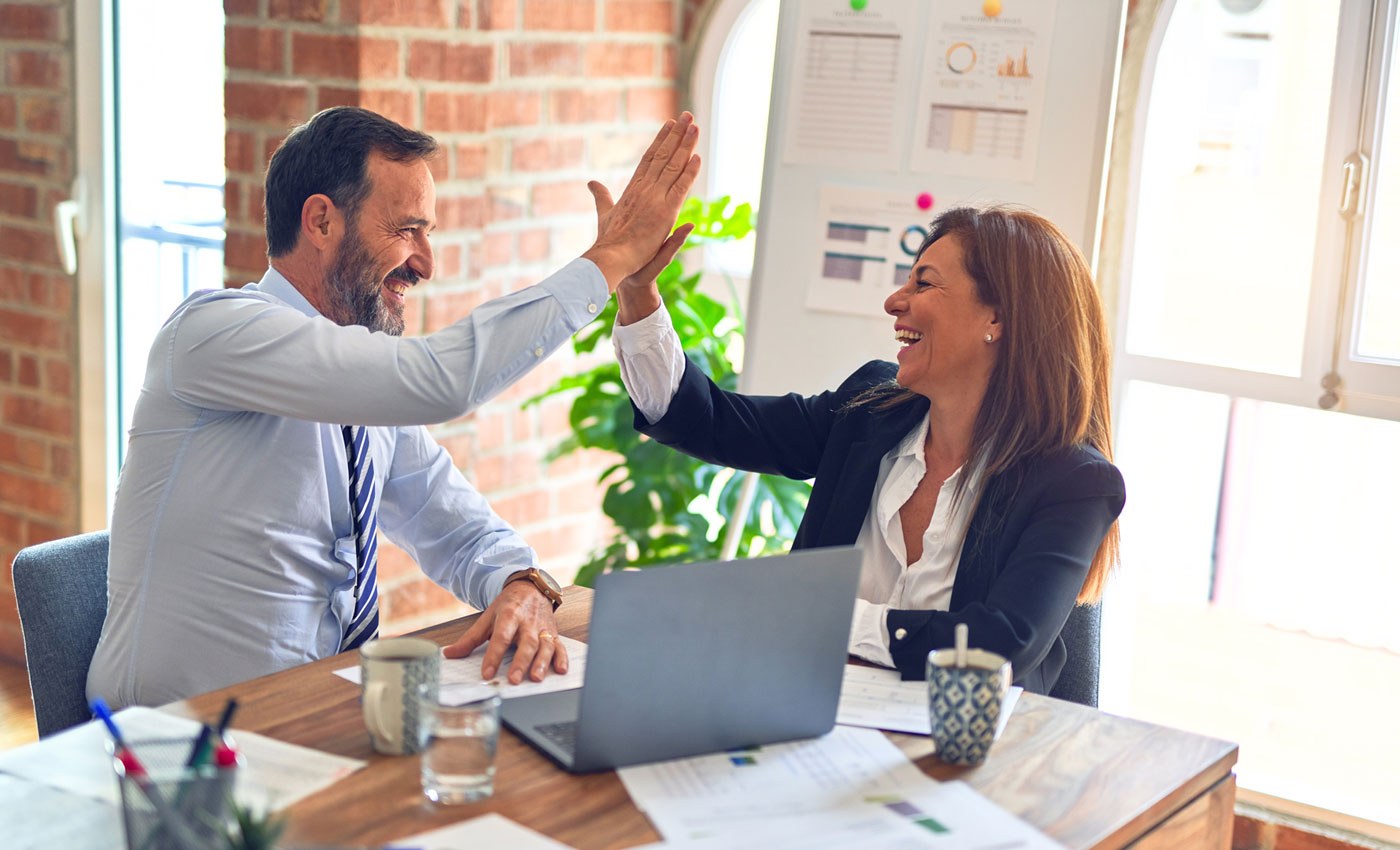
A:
[522,616]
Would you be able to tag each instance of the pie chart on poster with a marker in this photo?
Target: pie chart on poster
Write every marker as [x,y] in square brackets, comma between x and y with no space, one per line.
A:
[960,57]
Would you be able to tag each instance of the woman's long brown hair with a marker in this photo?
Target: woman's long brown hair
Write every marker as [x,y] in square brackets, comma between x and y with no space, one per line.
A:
[1049,389]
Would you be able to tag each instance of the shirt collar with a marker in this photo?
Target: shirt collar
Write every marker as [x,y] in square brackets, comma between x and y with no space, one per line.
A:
[274,284]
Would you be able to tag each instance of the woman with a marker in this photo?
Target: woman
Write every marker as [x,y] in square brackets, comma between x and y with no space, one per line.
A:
[974,474]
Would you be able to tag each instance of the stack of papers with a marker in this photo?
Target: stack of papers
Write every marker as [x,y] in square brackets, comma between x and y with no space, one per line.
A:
[852,788]
[493,831]
[461,680]
[877,698]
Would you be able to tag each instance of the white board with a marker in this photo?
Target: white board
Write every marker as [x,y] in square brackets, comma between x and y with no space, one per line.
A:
[872,108]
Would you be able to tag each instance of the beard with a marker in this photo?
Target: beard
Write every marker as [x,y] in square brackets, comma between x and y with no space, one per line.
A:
[356,292]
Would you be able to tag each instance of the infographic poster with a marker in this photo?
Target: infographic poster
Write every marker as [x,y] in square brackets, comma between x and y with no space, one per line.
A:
[868,242]
[982,91]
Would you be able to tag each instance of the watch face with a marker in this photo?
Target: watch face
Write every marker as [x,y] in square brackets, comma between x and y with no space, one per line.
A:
[549,580]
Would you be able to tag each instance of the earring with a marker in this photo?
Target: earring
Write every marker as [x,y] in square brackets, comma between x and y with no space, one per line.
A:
[988,337]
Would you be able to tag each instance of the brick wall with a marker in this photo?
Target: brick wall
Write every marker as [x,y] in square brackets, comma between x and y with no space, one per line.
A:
[38,345]
[530,99]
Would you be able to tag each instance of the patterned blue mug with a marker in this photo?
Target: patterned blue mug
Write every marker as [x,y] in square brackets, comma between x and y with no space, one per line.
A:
[964,703]
[391,673]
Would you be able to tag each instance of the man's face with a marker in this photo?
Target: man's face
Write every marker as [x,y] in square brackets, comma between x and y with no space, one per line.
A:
[385,249]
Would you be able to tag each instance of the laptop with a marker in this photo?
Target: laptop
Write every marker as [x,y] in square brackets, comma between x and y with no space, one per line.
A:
[699,658]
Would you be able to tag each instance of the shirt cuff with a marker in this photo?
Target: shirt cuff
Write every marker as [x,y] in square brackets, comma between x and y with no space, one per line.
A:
[580,289]
[868,639]
[652,362]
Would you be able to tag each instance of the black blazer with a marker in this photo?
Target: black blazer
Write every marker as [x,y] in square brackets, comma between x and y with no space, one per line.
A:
[1028,549]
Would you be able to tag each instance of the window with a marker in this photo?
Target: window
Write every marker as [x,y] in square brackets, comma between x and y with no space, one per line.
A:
[1258,388]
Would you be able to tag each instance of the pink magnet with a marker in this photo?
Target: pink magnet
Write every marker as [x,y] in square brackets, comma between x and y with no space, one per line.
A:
[925,201]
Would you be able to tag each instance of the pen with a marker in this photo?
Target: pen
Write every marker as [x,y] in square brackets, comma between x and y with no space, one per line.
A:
[201,741]
[224,719]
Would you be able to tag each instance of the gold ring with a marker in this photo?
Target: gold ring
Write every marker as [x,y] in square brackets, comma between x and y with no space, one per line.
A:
[546,636]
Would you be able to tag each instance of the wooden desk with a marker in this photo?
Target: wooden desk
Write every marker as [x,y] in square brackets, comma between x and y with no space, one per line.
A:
[1089,779]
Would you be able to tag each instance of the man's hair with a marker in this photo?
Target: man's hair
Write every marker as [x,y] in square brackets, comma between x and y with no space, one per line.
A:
[329,155]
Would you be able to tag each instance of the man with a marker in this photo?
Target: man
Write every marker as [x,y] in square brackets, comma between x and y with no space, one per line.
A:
[281,424]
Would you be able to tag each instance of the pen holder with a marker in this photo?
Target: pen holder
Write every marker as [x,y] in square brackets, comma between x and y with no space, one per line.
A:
[167,805]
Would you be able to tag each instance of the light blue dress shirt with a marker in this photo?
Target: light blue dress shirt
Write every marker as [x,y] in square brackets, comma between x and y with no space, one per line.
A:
[232,548]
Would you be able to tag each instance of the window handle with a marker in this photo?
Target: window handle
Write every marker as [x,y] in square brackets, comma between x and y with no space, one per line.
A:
[69,223]
[1353,170]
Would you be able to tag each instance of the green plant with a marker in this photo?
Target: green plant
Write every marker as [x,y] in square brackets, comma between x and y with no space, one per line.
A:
[255,830]
[667,506]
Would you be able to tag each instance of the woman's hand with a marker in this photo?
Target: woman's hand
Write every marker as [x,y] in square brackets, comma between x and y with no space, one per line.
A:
[637,294]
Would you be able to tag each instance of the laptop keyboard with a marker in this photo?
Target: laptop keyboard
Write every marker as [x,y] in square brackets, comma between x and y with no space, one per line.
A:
[564,734]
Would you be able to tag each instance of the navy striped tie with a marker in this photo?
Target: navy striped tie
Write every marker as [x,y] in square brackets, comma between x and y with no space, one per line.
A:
[364,625]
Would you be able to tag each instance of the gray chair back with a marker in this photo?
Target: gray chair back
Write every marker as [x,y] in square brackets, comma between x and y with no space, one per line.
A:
[1079,680]
[61,591]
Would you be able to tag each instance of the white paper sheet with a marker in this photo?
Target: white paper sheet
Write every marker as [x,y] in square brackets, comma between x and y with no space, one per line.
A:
[982,93]
[876,698]
[461,681]
[38,817]
[275,774]
[493,831]
[850,784]
[869,240]
[845,83]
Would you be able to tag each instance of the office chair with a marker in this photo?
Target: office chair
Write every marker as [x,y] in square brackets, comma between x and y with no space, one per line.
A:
[1079,680]
[61,590]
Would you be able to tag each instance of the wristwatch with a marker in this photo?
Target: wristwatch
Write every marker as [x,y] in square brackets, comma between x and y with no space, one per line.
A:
[542,581]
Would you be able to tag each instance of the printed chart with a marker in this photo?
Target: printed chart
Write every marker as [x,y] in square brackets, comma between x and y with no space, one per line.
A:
[868,242]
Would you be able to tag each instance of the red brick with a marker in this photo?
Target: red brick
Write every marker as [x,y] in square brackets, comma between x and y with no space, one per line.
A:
[41,415]
[328,96]
[512,109]
[470,161]
[522,508]
[255,48]
[53,292]
[26,157]
[572,15]
[397,13]
[533,245]
[36,246]
[393,103]
[19,200]
[495,14]
[39,69]
[34,495]
[462,212]
[454,112]
[280,103]
[240,8]
[581,106]
[345,57]
[294,10]
[16,450]
[545,60]
[28,373]
[30,22]
[498,249]
[238,151]
[7,366]
[615,59]
[458,63]
[506,203]
[449,261]
[670,62]
[639,16]
[11,531]
[61,464]
[416,598]
[244,250]
[560,198]
[550,154]
[43,114]
[652,103]
[9,112]
[394,564]
[58,377]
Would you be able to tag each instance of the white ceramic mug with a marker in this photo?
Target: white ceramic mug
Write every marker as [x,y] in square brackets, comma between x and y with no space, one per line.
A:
[391,673]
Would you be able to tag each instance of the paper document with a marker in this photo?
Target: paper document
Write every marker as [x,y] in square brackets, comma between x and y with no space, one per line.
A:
[867,241]
[493,831]
[877,698]
[276,774]
[461,679]
[38,817]
[840,790]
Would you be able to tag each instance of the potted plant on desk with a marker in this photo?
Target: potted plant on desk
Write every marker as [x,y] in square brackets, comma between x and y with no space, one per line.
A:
[665,506]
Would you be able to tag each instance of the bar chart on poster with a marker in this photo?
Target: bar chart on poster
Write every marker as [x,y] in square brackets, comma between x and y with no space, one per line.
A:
[883,114]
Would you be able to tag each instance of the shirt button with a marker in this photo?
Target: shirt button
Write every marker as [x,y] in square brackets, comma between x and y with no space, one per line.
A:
[592,308]
[539,352]
[901,634]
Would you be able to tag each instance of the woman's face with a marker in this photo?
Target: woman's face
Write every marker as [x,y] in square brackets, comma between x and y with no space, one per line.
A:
[942,327]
